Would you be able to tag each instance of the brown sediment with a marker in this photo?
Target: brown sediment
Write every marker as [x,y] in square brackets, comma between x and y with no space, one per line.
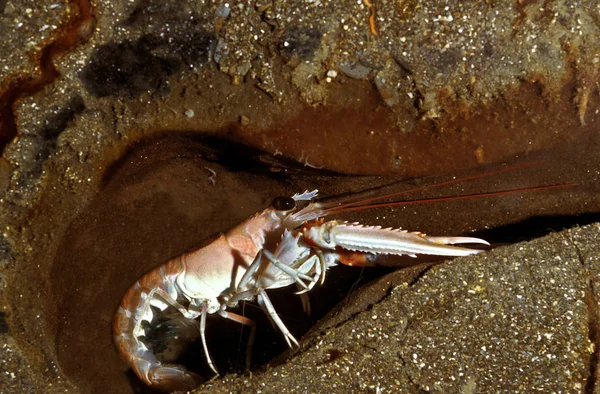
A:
[162,198]
[522,121]
[77,29]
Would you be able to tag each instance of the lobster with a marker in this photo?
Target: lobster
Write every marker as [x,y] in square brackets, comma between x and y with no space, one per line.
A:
[287,243]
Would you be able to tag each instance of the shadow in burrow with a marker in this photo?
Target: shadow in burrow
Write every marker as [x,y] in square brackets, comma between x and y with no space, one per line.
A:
[164,197]
[167,195]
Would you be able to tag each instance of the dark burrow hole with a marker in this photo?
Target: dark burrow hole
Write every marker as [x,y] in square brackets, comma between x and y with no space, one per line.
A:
[169,194]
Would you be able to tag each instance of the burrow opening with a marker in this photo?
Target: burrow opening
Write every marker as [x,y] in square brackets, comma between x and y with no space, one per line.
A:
[168,194]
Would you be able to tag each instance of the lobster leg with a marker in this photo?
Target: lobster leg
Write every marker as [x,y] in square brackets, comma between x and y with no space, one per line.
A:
[209,360]
[316,261]
[305,303]
[258,262]
[247,322]
[189,314]
[170,301]
[249,272]
[267,306]
[291,272]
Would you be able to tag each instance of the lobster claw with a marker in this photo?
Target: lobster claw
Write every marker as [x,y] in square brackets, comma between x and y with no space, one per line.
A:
[377,240]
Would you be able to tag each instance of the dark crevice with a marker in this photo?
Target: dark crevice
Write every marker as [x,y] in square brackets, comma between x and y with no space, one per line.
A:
[420,275]
[535,227]
[387,292]
[308,343]
[234,156]
[312,340]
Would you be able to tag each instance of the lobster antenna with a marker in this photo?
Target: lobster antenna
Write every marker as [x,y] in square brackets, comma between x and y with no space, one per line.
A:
[344,209]
[371,201]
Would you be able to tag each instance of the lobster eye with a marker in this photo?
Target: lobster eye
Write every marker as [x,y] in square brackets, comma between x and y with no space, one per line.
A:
[284,203]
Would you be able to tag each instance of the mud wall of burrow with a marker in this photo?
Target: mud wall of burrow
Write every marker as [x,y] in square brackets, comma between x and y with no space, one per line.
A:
[274,94]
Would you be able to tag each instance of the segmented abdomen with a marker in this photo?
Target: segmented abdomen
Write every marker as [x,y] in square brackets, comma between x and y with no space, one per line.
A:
[134,307]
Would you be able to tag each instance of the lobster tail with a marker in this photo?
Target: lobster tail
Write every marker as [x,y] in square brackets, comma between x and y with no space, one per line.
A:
[166,377]
[127,330]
